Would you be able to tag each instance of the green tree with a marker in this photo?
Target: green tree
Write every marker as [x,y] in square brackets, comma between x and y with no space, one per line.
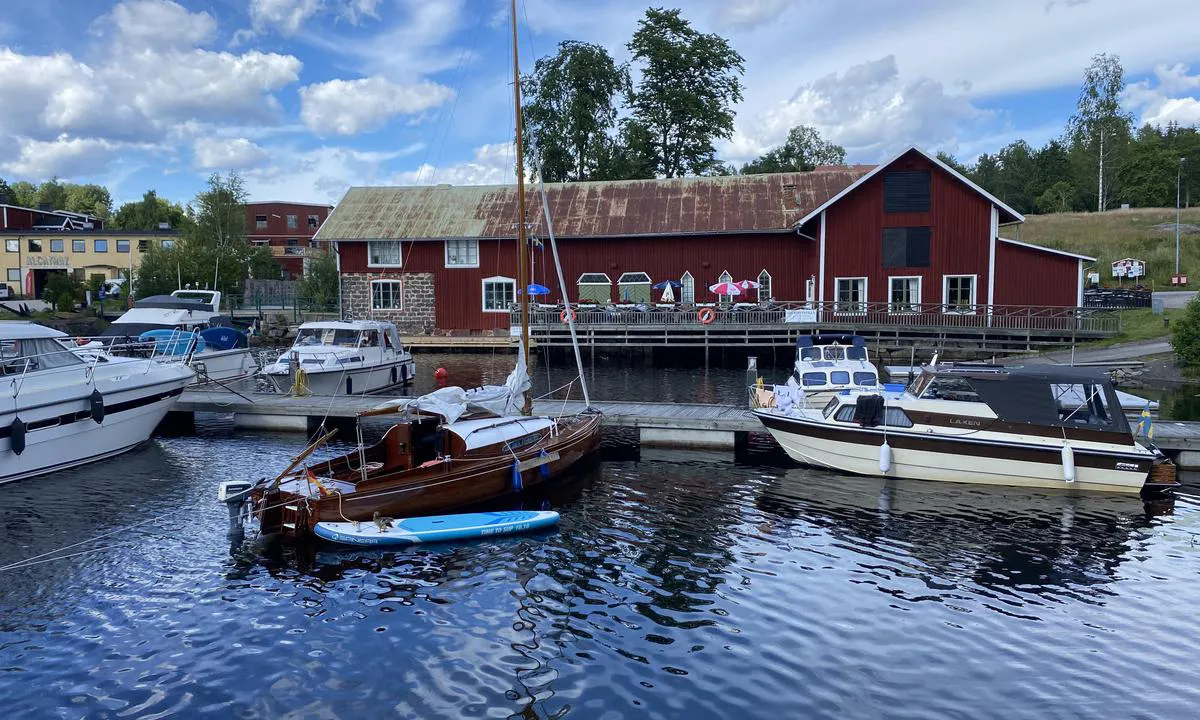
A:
[212,251]
[5,191]
[804,150]
[1016,174]
[62,291]
[52,193]
[571,112]
[1099,125]
[953,162]
[319,286]
[1052,164]
[1185,337]
[24,194]
[149,212]
[1148,178]
[90,199]
[684,98]
[1056,198]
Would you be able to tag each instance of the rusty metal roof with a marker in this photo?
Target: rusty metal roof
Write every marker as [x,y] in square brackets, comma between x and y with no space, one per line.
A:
[676,206]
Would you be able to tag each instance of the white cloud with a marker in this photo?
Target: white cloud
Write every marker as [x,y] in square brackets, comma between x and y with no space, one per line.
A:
[202,84]
[748,14]
[868,109]
[322,174]
[229,154]
[286,16]
[63,157]
[1157,104]
[492,164]
[415,45]
[349,107]
[159,24]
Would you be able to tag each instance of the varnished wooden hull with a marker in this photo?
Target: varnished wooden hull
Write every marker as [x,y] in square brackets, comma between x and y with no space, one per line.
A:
[474,478]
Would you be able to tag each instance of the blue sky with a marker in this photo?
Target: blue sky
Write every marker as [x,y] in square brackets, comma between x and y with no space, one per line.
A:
[307,97]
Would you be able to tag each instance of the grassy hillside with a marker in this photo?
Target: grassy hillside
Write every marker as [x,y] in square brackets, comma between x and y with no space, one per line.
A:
[1145,234]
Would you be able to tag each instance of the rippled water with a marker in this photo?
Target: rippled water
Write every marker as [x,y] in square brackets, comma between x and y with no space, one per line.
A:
[678,585]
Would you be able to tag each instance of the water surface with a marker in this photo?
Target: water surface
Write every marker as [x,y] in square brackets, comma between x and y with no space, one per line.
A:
[678,585]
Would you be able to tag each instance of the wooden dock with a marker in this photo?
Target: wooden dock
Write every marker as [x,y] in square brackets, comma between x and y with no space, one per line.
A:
[666,424]
[674,424]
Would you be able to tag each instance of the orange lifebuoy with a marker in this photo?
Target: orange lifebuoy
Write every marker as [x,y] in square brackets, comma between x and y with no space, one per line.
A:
[566,313]
[706,316]
[81,341]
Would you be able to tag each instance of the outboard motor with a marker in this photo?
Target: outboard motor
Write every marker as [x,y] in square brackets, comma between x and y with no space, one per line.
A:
[236,496]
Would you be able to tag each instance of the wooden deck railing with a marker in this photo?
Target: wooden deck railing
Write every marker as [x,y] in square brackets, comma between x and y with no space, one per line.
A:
[910,315]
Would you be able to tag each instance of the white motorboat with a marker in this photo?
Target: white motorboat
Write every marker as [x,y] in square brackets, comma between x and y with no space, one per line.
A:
[58,410]
[343,358]
[1037,426]
[187,323]
[829,364]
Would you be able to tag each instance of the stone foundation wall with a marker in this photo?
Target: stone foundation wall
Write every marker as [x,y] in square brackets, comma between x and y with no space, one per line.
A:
[416,317]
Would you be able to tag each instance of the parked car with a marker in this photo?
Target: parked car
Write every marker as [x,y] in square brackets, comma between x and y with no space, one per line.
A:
[5,293]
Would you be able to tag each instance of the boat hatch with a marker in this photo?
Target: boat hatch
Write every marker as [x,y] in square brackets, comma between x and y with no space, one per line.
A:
[489,431]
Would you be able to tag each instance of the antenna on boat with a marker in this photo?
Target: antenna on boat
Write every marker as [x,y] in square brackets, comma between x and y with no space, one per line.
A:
[522,249]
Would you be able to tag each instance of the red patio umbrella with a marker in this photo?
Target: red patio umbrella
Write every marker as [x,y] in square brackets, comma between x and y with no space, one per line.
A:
[725,288]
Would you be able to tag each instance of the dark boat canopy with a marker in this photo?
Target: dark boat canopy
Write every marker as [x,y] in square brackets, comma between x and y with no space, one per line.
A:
[810,340]
[170,302]
[1053,395]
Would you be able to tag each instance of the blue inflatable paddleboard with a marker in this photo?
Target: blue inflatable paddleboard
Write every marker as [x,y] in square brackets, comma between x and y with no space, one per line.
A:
[438,528]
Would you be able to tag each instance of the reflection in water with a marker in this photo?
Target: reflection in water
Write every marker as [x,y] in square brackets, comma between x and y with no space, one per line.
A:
[677,585]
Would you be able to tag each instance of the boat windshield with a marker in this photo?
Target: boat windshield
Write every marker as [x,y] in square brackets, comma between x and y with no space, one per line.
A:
[329,337]
[29,354]
[856,353]
[810,353]
[948,387]
[833,352]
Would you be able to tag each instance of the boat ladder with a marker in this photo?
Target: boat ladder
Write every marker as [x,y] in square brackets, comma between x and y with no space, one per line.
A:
[290,518]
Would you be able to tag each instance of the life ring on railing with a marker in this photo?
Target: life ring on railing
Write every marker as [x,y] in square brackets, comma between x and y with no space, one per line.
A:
[565,314]
[81,341]
[706,316]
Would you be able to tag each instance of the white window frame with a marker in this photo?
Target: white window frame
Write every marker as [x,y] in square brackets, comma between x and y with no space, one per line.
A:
[390,281]
[902,309]
[581,280]
[837,302]
[14,271]
[725,277]
[399,244]
[769,285]
[687,288]
[470,242]
[946,294]
[483,292]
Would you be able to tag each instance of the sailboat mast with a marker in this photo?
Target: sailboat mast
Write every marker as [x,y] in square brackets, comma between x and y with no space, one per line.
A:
[522,245]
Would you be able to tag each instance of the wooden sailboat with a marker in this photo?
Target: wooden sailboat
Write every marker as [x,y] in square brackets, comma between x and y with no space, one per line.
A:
[450,450]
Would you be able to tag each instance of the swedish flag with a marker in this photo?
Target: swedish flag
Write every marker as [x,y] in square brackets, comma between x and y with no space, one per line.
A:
[1145,425]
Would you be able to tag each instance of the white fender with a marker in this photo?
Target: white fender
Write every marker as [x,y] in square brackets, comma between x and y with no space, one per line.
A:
[885,457]
[1068,463]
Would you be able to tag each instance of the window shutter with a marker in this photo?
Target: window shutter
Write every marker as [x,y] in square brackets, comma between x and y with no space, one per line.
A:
[918,247]
[906,191]
[894,241]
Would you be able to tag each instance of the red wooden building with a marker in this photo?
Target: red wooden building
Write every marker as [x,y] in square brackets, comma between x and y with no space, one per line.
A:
[908,233]
[288,229]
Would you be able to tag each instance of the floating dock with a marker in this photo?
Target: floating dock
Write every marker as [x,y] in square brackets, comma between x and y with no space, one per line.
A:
[658,424]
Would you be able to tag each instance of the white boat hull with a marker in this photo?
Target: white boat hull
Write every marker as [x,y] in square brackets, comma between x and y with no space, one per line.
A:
[84,440]
[351,381]
[988,465]
[224,365]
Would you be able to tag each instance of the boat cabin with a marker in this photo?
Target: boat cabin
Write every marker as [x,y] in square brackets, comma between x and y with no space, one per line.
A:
[833,362]
[28,347]
[347,336]
[1050,395]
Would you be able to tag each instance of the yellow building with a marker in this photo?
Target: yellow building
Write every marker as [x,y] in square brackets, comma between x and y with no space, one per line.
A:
[30,256]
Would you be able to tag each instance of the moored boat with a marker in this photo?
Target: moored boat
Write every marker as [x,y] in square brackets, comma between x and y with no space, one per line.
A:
[343,358]
[1037,426]
[186,323]
[829,364]
[60,410]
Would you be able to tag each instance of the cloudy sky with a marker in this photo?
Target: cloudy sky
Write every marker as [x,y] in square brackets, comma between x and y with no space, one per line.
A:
[306,97]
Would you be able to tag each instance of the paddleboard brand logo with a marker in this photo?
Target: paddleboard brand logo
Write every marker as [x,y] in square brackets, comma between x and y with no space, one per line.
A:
[506,530]
[1127,466]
